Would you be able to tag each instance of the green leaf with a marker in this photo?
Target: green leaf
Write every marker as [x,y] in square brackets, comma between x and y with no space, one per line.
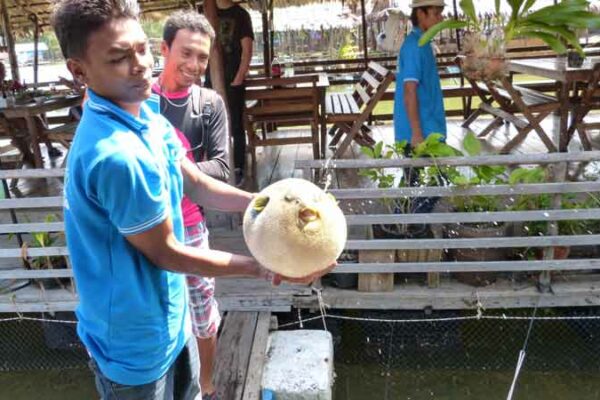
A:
[367,151]
[471,144]
[469,9]
[460,180]
[377,149]
[437,28]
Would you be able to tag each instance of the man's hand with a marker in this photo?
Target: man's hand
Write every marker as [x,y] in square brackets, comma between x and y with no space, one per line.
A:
[276,279]
[237,82]
[416,138]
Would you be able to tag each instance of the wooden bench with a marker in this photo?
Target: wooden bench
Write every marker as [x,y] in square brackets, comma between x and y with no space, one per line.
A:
[348,112]
[376,260]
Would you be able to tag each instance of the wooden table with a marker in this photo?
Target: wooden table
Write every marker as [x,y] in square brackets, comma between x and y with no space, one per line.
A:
[322,84]
[566,78]
[30,111]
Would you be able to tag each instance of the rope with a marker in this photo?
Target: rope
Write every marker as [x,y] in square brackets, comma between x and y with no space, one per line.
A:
[322,309]
[447,319]
[522,354]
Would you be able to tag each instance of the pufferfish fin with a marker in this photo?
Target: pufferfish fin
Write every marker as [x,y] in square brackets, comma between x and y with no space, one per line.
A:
[260,203]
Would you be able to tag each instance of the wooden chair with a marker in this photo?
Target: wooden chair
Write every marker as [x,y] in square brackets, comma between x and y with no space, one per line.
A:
[512,99]
[277,102]
[590,99]
[348,112]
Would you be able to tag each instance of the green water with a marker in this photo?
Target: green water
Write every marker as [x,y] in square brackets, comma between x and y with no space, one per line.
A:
[359,383]
[72,384]
[352,383]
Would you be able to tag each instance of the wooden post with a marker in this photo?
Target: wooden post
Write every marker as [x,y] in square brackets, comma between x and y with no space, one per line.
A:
[376,282]
[364,32]
[217,77]
[36,39]
[266,42]
[10,42]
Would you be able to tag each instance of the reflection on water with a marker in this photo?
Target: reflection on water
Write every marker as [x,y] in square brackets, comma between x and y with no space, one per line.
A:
[354,382]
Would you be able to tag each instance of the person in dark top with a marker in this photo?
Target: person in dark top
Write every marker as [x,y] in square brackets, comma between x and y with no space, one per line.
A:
[200,121]
[236,39]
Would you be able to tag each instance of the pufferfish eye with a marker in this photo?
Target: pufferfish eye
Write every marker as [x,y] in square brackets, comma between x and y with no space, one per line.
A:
[260,203]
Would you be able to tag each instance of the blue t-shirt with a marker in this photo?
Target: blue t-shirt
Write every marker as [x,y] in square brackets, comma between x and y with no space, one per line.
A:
[418,64]
[123,177]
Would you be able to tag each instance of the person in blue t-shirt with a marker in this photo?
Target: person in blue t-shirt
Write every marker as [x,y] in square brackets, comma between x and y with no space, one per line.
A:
[125,179]
[418,100]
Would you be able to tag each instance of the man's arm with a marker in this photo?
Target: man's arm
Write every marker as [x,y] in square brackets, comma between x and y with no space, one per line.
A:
[216,164]
[211,193]
[161,247]
[411,103]
[242,71]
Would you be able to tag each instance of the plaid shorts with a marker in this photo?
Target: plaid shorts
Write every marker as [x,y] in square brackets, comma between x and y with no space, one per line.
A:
[203,305]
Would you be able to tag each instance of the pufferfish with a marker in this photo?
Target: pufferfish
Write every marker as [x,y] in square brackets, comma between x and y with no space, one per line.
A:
[294,228]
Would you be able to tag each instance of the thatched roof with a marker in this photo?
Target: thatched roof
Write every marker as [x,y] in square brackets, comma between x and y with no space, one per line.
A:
[19,11]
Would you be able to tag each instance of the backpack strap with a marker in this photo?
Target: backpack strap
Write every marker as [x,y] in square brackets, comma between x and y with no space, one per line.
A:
[203,108]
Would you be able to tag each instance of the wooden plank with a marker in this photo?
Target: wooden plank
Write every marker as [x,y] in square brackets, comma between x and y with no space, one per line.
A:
[375,282]
[233,350]
[31,202]
[477,217]
[32,227]
[456,296]
[252,389]
[363,94]
[507,159]
[474,266]
[499,242]
[35,273]
[353,107]
[378,68]
[507,190]
[370,79]
[34,252]
[32,173]
[37,307]
[504,115]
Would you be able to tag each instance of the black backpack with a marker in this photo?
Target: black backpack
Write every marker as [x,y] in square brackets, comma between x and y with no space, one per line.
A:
[202,107]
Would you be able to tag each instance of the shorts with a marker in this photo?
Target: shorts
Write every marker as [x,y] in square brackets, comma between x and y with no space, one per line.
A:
[204,309]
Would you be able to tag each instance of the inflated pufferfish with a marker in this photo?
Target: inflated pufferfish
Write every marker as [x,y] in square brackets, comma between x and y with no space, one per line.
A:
[294,228]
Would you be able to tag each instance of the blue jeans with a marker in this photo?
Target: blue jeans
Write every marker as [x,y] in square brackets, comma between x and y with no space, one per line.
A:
[181,382]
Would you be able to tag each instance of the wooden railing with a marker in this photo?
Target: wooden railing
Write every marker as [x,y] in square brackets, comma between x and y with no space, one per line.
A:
[378,266]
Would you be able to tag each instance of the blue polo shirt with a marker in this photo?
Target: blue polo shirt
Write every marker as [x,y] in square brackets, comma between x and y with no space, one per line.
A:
[417,63]
[123,178]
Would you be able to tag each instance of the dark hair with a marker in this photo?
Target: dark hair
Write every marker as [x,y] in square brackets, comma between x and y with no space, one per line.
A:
[75,20]
[186,19]
[413,15]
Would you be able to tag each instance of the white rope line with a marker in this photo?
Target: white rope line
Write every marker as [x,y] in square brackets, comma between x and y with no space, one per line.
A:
[447,319]
[322,306]
[522,354]
[301,320]
[22,318]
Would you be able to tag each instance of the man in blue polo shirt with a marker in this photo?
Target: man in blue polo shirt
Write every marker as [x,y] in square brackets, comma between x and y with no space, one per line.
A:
[125,179]
[418,100]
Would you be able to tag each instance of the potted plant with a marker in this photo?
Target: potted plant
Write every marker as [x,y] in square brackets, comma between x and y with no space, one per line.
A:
[526,202]
[435,175]
[484,49]
[473,176]
[41,240]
